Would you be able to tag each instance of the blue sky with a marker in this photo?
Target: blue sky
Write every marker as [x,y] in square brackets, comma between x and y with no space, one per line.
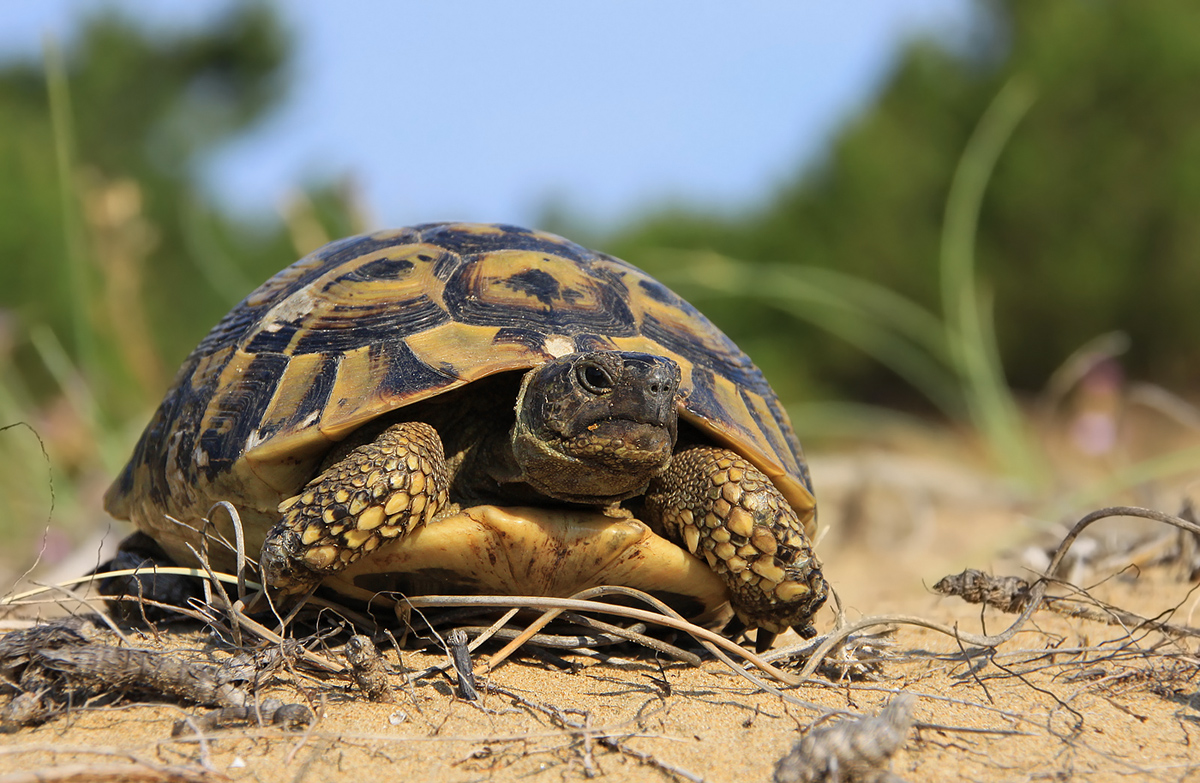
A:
[494,110]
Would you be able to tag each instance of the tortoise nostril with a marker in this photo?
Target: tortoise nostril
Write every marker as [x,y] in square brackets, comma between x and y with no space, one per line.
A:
[660,382]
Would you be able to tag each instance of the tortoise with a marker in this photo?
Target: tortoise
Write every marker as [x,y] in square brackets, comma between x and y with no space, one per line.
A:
[422,409]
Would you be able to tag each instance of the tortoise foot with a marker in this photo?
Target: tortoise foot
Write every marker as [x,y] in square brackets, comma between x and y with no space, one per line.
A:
[723,509]
[377,492]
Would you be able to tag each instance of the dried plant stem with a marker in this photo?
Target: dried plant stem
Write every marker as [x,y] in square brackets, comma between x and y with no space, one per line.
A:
[1037,592]
[512,646]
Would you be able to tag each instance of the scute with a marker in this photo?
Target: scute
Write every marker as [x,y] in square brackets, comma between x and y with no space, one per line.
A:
[370,324]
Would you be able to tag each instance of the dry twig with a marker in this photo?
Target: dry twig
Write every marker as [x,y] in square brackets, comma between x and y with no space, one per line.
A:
[1012,594]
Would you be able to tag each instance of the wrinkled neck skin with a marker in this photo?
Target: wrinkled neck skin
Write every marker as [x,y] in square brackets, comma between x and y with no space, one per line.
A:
[595,428]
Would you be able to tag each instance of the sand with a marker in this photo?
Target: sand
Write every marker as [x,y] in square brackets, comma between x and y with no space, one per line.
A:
[1068,698]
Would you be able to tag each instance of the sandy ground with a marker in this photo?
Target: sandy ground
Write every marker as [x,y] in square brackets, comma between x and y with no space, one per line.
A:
[1067,698]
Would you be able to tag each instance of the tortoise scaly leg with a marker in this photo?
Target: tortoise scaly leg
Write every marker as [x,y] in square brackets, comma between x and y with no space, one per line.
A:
[378,491]
[723,509]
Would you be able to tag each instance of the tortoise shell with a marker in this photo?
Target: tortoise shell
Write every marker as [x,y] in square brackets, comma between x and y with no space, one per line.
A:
[370,324]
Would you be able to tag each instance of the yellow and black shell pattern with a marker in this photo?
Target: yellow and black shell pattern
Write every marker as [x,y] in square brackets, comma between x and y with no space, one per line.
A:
[369,324]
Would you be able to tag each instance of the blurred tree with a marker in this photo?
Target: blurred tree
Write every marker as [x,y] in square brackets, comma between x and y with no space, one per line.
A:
[113,259]
[1088,224]
[111,247]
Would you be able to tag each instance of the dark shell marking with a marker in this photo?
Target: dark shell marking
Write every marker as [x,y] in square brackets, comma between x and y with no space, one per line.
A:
[372,323]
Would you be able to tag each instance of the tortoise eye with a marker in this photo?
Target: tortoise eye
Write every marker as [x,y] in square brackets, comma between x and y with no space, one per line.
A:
[594,378]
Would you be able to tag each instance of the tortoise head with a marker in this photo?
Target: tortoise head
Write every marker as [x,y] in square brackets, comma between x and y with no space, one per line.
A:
[596,427]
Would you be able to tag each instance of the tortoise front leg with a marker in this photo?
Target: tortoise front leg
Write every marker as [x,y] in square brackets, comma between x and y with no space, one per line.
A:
[378,491]
[725,510]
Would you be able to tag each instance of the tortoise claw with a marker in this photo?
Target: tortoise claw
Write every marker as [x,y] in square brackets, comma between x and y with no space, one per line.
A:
[807,631]
[763,639]
[734,628]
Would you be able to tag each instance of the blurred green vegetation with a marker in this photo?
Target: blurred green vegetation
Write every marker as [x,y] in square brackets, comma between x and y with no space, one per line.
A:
[116,262]
[1088,224]
[1008,196]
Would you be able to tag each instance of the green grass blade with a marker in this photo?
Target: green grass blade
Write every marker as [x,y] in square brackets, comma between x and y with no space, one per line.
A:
[968,317]
[66,374]
[884,325]
[832,420]
[1145,472]
[77,266]
[218,269]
